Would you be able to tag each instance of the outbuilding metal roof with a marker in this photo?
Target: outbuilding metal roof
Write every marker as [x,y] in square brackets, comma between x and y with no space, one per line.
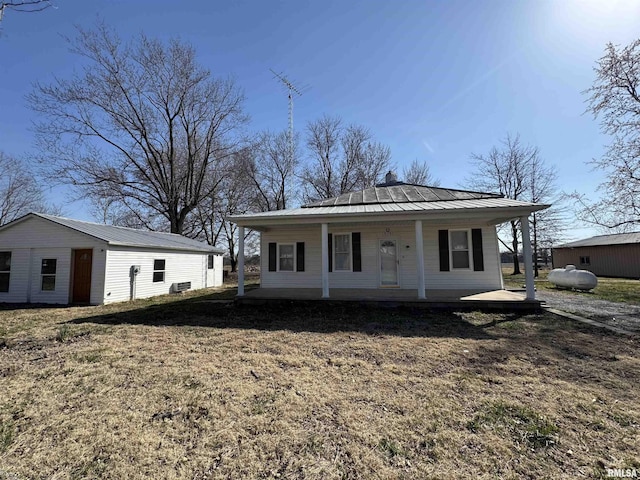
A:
[601,240]
[129,237]
[399,192]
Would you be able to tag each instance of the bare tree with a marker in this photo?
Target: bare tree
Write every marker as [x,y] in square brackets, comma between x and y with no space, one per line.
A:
[418,173]
[209,221]
[506,170]
[142,127]
[343,159]
[20,191]
[374,160]
[24,6]
[323,141]
[547,226]
[271,168]
[614,97]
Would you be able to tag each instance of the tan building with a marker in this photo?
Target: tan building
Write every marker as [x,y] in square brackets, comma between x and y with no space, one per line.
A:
[615,255]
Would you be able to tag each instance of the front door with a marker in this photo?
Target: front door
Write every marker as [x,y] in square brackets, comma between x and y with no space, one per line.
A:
[388,263]
[82,260]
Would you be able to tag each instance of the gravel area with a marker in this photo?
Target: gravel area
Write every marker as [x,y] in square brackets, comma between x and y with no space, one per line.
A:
[620,315]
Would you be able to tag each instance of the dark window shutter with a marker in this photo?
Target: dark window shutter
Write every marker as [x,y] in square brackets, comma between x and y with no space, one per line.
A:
[443,243]
[300,257]
[476,241]
[330,252]
[357,256]
[272,256]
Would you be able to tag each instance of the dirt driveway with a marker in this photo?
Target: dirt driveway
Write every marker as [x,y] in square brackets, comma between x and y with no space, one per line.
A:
[616,314]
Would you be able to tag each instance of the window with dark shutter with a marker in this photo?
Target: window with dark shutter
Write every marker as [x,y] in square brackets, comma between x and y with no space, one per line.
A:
[478,256]
[300,257]
[443,244]
[357,255]
[330,252]
[5,271]
[273,248]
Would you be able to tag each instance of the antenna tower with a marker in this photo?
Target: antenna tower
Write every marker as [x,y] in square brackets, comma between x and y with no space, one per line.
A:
[292,90]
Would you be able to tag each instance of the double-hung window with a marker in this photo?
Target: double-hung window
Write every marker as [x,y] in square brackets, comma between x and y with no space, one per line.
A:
[5,271]
[460,252]
[158,270]
[286,257]
[48,274]
[342,252]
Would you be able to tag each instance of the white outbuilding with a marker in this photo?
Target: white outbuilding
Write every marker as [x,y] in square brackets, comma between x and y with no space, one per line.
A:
[49,259]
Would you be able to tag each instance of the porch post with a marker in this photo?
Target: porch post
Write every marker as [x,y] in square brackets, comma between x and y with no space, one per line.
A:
[528,263]
[240,261]
[420,259]
[325,260]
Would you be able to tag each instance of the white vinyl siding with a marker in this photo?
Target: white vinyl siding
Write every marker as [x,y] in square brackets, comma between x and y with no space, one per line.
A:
[214,275]
[488,279]
[5,271]
[179,267]
[312,276]
[48,287]
[18,277]
[35,239]
[369,277]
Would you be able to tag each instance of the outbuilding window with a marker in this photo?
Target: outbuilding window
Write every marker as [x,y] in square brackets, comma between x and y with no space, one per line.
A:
[48,274]
[158,270]
[210,262]
[586,260]
[5,271]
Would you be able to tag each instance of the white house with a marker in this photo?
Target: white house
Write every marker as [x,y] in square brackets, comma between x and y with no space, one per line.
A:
[48,259]
[394,236]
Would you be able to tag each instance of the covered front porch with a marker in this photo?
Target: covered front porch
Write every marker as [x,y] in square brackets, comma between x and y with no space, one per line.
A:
[433,299]
[420,293]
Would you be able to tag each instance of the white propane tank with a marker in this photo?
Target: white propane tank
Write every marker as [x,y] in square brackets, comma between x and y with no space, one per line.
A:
[569,277]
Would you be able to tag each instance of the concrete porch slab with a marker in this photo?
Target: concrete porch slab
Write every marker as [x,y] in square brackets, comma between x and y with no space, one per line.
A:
[436,299]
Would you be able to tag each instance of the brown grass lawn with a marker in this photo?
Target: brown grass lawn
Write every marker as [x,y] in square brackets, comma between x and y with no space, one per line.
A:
[175,387]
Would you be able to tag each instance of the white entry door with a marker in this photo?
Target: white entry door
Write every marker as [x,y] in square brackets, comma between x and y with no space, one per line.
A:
[388,263]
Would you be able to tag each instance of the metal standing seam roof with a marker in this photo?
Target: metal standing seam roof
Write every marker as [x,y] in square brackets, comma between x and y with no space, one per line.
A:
[402,207]
[399,198]
[129,237]
[603,240]
[399,192]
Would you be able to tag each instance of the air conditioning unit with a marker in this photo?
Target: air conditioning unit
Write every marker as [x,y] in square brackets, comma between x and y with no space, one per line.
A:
[180,287]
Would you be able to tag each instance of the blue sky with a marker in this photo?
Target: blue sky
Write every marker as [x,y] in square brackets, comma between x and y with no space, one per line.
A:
[434,80]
